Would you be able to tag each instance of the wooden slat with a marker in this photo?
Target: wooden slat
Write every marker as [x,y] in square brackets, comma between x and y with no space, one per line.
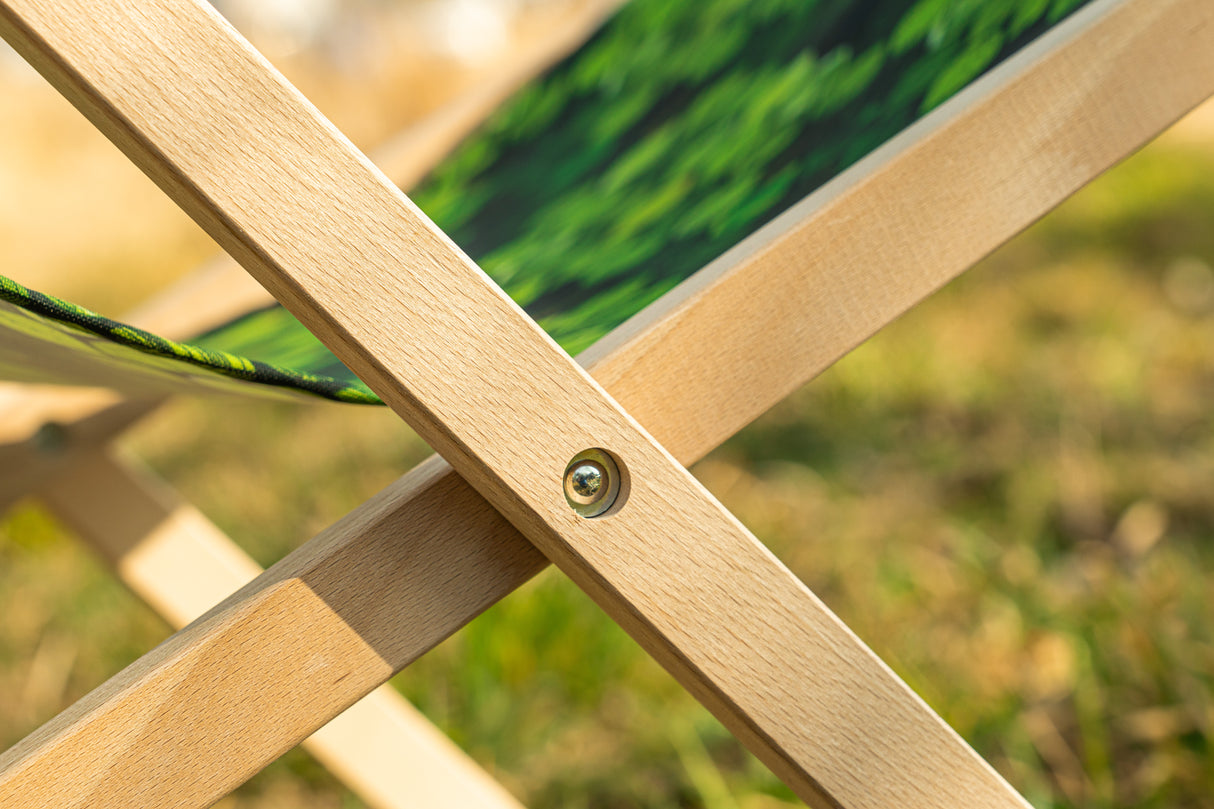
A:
[826,275]
[341,247]
[185,724]
[221,290]
[381,747]
[179,562]
[53,426]
[1137,82]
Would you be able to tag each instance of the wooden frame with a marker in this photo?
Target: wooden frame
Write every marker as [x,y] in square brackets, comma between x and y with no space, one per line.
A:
[1136,81]
[179,562]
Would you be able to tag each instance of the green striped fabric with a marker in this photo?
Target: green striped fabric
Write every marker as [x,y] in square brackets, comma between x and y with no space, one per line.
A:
[678,130]
[59,325]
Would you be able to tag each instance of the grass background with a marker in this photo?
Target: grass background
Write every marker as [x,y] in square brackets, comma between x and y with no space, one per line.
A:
[1007,493]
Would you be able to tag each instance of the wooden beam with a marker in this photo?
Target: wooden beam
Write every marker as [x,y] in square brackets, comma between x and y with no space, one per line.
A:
[827,274]
[185,724]
[181,564]
[54,440]
[1138,84]
[339,245]
[221,290]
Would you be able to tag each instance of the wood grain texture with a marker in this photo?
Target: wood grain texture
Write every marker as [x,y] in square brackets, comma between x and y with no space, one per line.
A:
[1140,82]
[381,747]
[181,564]
[340,246]
[831,271]
[220,290]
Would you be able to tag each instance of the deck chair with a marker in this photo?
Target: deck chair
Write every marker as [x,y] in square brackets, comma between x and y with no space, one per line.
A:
[803,251]
[179,562]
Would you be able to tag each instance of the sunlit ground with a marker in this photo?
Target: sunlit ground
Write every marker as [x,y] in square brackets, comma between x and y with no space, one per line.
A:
[1007,493]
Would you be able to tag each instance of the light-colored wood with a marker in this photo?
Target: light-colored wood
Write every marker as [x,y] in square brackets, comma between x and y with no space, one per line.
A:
[786,303]
[221,290]
[186,723]
[1137,80]
[806,314]
[340,246]
[181,564]
[162,548]
[50,426]
[381,746]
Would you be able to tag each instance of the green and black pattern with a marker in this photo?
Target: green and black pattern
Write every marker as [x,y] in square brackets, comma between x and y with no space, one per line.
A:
[683,127]
[674,133]
[342,388]
[678,130]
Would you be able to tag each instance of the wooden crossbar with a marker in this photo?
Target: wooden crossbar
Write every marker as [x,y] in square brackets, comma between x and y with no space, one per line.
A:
[394,299]
[1123,41]
[181,564]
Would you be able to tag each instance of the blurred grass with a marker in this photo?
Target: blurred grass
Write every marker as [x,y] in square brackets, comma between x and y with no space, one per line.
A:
[1007,494]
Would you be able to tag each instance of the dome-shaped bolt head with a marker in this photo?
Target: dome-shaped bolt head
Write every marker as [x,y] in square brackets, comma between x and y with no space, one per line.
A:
[585,480]
[592,482]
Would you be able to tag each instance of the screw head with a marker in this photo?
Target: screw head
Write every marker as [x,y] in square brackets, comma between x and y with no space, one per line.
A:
[585,480]
[591,482]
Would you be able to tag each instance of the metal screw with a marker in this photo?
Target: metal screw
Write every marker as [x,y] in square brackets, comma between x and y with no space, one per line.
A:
[592,482]
[585,481]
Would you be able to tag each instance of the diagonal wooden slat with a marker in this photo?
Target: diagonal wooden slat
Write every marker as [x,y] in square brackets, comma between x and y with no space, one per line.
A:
[1131,83]
[181,564]
[343,249]
[187,722]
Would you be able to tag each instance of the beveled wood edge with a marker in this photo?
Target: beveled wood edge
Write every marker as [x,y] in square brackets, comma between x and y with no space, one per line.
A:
[422,765]
[181,564]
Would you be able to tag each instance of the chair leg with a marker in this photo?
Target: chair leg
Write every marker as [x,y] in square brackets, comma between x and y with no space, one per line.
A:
[181,564]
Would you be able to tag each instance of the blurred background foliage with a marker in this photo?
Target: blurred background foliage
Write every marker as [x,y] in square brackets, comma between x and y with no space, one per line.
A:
[1007,493]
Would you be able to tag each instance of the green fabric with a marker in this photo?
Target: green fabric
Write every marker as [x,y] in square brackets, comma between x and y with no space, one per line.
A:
[675,132]
[678,130]
[683,127]
[72,318]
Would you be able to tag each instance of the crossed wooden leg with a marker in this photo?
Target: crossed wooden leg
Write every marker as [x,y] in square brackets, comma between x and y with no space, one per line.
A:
[417,561]
[181,564]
